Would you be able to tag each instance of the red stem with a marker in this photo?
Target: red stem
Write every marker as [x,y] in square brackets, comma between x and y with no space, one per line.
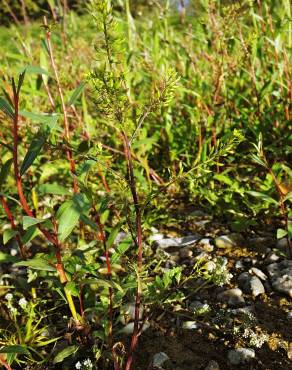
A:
[12,223]
[132,184]
[4,363]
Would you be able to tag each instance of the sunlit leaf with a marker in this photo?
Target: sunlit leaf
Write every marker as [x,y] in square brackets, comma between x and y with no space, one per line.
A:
[68,351]
[36,264]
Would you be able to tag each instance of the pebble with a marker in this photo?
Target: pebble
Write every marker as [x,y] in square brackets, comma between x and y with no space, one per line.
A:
[190,325]
[259,273]
[233,297]
[271,257]
[281,276]
[186,252]
[240,355]
[206,245]
[212,365]
[224,242]
[239,265]
[251,284]
[159,359]
[176,242]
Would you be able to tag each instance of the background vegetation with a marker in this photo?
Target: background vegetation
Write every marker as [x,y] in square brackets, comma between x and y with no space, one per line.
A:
[113,114]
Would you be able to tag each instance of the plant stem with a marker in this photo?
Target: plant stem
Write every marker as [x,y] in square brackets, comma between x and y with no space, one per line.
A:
[64,108]
[13,225]
[132,184]
[4,363]
[51,238]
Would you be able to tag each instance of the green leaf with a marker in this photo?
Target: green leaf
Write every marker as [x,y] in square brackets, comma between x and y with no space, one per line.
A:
[288,196]
[36,70]
[72,288]
[281,233]
[14,348]
[68,219]
[113,234]
[33,151]
[5,171]
[263,196]
[258,160]
[8,234]
[6,108]
[68,351]
[223,178]
[30,221]
[49,119]
[7,258]
[76,93]
[36,264]
[30,234]
[55,189]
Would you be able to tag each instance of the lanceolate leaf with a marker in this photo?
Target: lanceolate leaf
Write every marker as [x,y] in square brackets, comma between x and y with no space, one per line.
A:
[55,189]
[263,196]
[30,221]
[68,219]
[76,93]
[8,234]
[36,70]
[5,171]
[14,348]
[6,108]
[36,264]
[68,351]
[33,151]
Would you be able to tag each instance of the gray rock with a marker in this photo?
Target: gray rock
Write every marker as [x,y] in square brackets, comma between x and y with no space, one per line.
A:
[224,242]
[206,245]
[159,359]
[212,365]
[233,297]
[176,242]
[259,273]
[185,252]
[239,265]
[271,257]
[190,325]
[282,244]
[281,276]
[251,284]
[240,355]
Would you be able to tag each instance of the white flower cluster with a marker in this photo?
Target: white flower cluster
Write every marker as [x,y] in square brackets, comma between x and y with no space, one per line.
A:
[84,365]
[255,339]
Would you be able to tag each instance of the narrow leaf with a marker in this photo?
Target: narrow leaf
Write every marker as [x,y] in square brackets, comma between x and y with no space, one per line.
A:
[30,221]
[54,189]
[67,221]
[68,351]
[33,151]
[14,348]
[76,93]
[6,108]
[36,264]
[5,171]
[8,235]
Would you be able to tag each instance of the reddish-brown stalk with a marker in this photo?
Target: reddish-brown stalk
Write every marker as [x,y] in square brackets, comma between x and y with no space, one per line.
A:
[102,237]
[13,225]
[4,363]
[51,238]
[64,108]
[138,242]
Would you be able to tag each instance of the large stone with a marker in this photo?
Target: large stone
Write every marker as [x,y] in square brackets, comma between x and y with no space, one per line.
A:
[240,355]
[281,276]
[159,359]
[233,297]
[176,242]
[251,284]
[212,365]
